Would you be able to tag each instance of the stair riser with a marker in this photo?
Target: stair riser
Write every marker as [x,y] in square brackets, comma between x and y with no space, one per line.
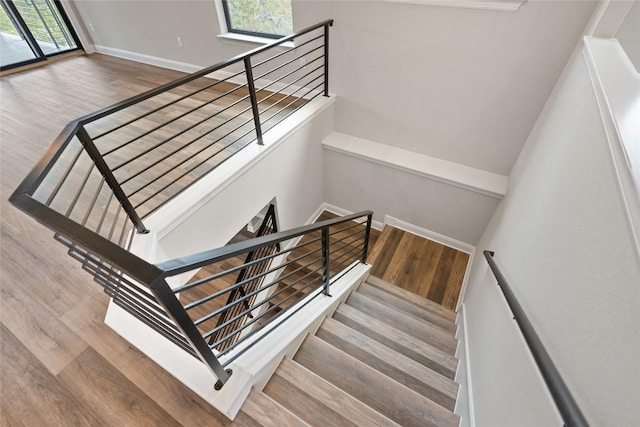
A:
[406,348]
[386,298]
[389,370]
[390,398]
[418,329]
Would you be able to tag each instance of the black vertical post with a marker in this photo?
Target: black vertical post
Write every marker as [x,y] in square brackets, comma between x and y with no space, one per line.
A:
[176,311]
[367,233]
[326,58]
[111,180]
[254,98]
[325,260]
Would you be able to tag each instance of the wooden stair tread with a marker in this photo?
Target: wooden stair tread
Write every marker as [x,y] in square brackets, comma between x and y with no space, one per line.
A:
[398,340]
[412,298]
[305,405]
[376,390]
[269,413]
[407,307]
[332,397]
[411,325]
[412,374]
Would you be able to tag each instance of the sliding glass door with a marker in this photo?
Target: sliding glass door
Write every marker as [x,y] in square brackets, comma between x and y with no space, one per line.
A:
[32,31]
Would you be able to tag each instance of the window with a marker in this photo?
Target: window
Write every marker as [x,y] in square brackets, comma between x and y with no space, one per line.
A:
[262,18]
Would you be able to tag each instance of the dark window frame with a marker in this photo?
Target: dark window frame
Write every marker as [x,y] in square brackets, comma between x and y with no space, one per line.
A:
[230,29]
[21,26]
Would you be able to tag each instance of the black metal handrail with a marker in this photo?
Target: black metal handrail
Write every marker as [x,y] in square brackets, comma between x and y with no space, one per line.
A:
[343,252]
[78,128]
[569,409]
[78,190]
[188,263]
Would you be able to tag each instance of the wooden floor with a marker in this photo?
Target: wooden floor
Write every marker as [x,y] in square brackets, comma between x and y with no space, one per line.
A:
[59,364]
[422,266]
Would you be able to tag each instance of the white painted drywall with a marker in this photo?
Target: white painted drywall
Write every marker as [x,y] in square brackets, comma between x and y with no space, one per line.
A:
[629,34]
[462,85]
[291,174]
[563,238]
[151,28]
[356,184]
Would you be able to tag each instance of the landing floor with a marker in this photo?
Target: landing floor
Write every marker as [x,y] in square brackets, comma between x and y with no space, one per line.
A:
[422,266]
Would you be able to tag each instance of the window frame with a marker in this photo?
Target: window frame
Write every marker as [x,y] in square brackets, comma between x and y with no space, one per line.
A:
[224,17]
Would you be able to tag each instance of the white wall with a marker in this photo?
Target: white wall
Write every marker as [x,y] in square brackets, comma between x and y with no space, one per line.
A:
[291,174]
[629,34]
[562,235]
[355,184]
[462,85]
[150,27]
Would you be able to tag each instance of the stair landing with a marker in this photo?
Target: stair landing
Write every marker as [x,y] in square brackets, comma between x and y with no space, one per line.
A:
[421,266]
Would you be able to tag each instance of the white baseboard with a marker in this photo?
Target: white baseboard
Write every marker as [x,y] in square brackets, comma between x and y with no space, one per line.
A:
[466,373]
[465,280]
[342,212]
[428,234]
[148,59]
[192,68]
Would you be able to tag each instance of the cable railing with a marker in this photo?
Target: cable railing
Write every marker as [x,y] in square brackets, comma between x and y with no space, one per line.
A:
[566,404]
[108,171]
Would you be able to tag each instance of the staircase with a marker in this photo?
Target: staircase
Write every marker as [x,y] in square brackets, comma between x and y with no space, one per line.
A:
[385,357]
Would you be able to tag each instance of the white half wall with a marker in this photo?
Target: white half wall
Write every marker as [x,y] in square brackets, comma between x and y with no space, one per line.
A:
[563,237]
[449,199]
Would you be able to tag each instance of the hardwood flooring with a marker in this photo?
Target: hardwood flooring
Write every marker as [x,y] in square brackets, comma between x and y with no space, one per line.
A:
[60,365]
[422,266]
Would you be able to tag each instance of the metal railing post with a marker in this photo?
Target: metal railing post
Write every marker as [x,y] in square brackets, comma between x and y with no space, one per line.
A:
[167,298]
[326,58]
[254,98]
[325,260]
[111,180]
[367,233]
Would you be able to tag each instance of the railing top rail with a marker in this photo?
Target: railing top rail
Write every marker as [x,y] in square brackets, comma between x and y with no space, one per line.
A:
[39,171]
[188,78]
[188,263]
[569,409]
[31,182]
[130,264]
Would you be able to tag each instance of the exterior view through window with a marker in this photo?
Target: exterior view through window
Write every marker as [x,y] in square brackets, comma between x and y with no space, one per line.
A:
[33,30]
[263,18]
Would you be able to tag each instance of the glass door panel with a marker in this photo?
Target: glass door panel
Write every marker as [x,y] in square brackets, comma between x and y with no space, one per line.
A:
[46,25]
[38,26]
[14,47]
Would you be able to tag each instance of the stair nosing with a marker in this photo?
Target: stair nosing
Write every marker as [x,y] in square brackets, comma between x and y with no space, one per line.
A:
[424,374]
[442,323]
[318,378]
[439,357]
[257,394]
[431,410]
[412,298]
[440,339]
